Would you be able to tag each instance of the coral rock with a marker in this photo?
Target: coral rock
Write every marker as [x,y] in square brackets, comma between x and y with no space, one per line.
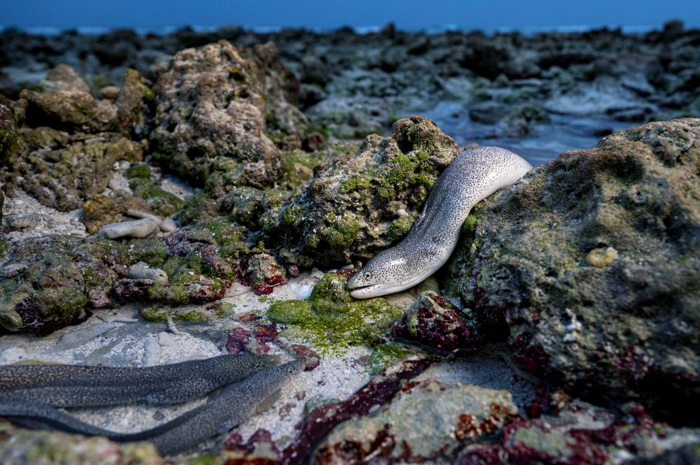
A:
[424,422]
[591,267]
[435,323]
[349,210]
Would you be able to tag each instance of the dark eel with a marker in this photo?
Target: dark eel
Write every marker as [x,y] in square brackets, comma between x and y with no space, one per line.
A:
[92,386]
[229,407]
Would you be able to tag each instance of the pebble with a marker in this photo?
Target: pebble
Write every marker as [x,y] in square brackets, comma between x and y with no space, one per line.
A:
[137,228]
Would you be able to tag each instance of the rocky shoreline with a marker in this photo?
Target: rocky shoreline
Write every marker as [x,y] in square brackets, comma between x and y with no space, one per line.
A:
[180,196]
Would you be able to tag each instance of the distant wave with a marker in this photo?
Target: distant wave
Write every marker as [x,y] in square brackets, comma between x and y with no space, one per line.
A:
[437,29]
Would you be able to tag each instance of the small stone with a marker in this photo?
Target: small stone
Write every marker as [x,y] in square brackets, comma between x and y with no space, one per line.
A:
[312,143]
[601,257]
[110,93]
[138,228]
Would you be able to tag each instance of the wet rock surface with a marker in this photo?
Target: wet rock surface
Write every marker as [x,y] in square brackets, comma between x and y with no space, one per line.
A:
[423,422]
[43,448]
[581,433]
[434,322]
[589,265]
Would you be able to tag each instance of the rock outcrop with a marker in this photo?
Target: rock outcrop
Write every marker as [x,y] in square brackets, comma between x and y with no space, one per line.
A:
[362,202]
[590,266]
[425,422]
[214,106]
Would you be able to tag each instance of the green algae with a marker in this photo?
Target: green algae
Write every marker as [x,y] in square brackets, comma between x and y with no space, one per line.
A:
[386,355]
[400,227]
[341,231]
[183,270]
[162,202]
[292,160]
[229,237]
[332,320]
[150,251]
[138,172]
[198,207]
[290,312]
[157,313]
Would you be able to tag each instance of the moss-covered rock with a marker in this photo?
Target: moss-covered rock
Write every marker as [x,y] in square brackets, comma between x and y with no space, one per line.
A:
[347,211]
[332,320]
[9,132]
[577,432]
[68,111]
[68,105]
[63,171]
[160,201]
[102,210]
[49,282]
[246,205]
[198,207]
[590,267]
[434,322]
[52,448]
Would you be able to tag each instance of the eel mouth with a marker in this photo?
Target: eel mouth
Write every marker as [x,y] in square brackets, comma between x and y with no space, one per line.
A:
[366,292]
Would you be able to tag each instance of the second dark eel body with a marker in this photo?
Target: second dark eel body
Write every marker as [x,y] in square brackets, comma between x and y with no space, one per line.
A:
[93,386]
[228,407]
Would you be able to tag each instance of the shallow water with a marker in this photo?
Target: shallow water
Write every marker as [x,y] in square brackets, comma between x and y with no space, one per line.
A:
[543,144]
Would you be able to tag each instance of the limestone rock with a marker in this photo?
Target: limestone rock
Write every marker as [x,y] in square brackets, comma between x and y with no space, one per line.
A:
[63,171]
[213,104]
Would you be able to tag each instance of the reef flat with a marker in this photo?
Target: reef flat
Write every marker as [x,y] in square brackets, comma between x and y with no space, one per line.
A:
[175,197]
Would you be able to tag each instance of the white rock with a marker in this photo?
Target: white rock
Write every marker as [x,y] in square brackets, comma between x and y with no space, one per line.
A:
[138,228]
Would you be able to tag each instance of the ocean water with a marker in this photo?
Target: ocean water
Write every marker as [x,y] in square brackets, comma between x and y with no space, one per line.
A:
[544,143]
[437,29]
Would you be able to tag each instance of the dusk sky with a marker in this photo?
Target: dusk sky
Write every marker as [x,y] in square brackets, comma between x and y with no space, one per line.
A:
[407,14]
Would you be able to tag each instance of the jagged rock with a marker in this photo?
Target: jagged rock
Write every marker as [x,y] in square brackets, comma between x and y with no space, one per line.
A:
[590,266]
[50,282]
[361,203]
[68,105]
[351,117]
[133,104]
[264,268]
[68,110]
[279,88]
[64,78]
[213,104]
[59,278]
[581,433]
[425,422]
[63,171]
[603,96]
[434,322]
[9,133]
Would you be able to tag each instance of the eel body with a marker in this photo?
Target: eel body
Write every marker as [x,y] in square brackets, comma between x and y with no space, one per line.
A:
[92,386]
[224,410]
[472,176]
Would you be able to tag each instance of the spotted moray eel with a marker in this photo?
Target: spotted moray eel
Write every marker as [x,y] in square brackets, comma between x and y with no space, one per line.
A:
[471,177]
